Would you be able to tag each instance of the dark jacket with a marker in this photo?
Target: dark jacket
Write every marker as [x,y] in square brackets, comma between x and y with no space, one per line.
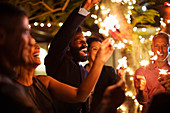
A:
[60,66]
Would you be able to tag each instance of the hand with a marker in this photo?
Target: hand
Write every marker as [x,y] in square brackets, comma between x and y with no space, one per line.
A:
[88,4]
[165,81]
[106,50]
[140,82]
[121,72]
[114,95]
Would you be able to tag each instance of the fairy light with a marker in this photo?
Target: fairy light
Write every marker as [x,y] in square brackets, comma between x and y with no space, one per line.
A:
[129,93]
[96,21]
[49,25]
[99,19]
[125,41]
[168,21]
[130,42]
[88,33]
[144,8]
[131,72]
[144,29]
[94,16]
[133,97]
[35,23]
[60,24]
[102,7]
[131,78]
[135,29]
[140,107]
[42,24]
[158,29]
[142,40]
[96,7]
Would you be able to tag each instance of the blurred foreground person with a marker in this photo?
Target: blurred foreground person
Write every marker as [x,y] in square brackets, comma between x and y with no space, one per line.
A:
[148,79]
[15,43]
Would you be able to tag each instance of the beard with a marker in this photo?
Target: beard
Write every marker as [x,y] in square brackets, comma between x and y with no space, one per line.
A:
[75,53]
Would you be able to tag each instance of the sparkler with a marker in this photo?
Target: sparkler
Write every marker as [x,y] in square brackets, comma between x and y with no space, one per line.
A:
[122,63]
[163,72]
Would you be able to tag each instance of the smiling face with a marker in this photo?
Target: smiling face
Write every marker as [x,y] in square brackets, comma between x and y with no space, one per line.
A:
[17,43]
[78,47]
[93,49]
[34,59]
[160,47]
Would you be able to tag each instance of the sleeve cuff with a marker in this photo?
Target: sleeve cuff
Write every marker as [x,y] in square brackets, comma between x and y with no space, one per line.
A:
[83,12]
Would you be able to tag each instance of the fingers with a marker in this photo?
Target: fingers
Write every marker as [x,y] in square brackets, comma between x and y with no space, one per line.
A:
[139,77]
[140,82]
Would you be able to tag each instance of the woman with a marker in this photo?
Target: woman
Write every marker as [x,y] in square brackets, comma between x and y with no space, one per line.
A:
[42,88]
[108,75]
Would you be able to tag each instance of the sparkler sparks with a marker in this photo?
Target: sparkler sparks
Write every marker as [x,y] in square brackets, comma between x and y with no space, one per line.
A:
[163,72]
[122,62]
[144,63]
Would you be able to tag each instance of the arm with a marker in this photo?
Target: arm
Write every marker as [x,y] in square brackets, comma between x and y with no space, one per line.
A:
[62,39]
[68,93]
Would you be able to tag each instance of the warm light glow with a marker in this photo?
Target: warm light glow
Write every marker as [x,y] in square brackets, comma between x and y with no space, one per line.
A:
[155,57]
[29,26]
[144,29]
[144,8]
[163,72]
[94,16]
[122,62]
[168,21]
[135,29]
[129,93]
[144,63]
[35,23]
[49,25]
[110,22]
[131,78]
[151,53]
[60,24]
[120,45]
[96,7]
[42,24]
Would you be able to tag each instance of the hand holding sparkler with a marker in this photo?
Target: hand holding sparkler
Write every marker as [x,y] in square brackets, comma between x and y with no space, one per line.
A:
[140,82]
[121,68]
[164,79]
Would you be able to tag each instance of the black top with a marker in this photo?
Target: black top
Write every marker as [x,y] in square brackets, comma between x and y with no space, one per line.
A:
[40,96]
[107,77]
[13,98]
[61,67]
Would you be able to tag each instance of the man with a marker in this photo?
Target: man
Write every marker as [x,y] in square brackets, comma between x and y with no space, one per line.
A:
[146,78]
[67,49]
[15,42]
[62,59]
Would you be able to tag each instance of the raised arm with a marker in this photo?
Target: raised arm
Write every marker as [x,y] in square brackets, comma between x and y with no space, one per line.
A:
[71,94]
